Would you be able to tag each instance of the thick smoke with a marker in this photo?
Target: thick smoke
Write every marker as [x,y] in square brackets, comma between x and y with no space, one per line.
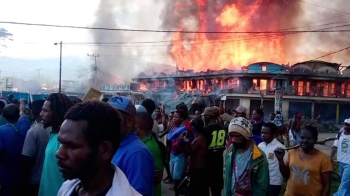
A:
[120,60]
[118,63]
[271,15]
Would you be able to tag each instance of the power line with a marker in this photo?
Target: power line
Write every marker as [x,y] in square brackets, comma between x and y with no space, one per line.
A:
[324,7]
[333,53]
[171,31]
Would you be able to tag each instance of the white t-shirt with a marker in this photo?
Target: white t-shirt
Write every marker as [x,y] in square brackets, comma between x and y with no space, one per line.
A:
[155,129]
[343,148]
[276,177]
[120,186]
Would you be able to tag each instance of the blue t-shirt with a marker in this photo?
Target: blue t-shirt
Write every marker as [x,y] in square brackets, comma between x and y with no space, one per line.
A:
[12,138]
[136,161]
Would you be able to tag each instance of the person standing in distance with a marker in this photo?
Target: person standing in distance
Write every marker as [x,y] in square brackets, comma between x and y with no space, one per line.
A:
[269,145]
[89,137]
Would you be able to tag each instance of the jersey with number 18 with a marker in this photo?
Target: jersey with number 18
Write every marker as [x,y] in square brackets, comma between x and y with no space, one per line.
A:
[216,138]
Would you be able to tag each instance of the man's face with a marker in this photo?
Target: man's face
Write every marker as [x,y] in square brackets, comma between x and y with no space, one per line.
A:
[238,140]
[198,114]
[75,158]
[307,140]
[272,117]
[128,124]
[256,116]
[237,114]
[157,111]
[46,114]
[177,119]
[171,116]
[347,127]
[266,134]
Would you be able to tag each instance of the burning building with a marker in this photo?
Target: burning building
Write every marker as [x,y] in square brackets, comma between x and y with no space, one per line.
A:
[312,87]
[239,48]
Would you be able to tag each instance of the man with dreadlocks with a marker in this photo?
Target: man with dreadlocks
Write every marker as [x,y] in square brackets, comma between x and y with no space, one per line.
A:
[52,114]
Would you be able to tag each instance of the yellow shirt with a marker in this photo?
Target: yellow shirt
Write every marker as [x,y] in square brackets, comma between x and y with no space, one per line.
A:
[305,176]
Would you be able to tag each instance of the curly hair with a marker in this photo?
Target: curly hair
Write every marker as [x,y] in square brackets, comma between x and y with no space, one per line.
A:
[313,130]
[104,122]
[198,125]
[149,105]
[272,126]
[59,105]
[184,108]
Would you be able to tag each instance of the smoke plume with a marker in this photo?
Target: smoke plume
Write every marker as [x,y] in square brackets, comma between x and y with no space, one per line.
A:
[122,59]
[118,63]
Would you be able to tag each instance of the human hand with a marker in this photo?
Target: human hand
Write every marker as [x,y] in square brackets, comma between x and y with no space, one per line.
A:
[279,152]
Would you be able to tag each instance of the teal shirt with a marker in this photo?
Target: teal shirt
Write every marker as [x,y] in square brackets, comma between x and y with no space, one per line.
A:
[51,177]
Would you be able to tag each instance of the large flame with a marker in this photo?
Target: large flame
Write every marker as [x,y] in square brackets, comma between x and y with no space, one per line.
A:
[202,51]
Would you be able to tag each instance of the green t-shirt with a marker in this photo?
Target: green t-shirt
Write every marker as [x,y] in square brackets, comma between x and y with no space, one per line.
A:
[152,145]
[51,177]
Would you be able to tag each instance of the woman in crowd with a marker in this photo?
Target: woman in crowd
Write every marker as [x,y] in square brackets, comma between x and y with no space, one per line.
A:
[307,169]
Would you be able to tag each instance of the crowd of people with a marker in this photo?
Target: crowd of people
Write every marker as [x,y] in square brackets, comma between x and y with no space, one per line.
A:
[112,147]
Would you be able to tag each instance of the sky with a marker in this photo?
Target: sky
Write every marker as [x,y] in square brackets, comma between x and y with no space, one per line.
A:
[33,47]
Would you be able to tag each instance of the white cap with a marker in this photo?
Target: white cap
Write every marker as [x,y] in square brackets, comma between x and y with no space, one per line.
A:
[140,109]
[347,121]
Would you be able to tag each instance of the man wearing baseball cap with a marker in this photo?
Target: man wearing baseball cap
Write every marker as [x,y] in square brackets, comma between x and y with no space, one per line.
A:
[133,157]
[341,147]
[215,136]
[246,167]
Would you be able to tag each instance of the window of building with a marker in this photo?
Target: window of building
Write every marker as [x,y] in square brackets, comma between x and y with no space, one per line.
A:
[332,89]
[300,88]
[263,68]
[263,84]
[307,90]
[272,85]
[326,89]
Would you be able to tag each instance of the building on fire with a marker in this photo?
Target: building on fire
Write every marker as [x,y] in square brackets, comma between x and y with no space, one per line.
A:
[313,88]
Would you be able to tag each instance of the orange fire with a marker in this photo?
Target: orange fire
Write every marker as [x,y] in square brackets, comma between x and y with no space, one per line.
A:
[143,87]
[202,51]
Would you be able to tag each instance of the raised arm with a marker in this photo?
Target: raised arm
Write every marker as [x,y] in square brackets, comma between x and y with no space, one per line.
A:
[283,166]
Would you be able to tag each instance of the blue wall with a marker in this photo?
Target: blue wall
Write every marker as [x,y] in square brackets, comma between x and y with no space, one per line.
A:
[17,95]
[303,107]
[327,111]
[344,112]
[270,68]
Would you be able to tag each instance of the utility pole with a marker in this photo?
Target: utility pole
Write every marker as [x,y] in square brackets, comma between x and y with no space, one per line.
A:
[95,67]
[60,79]
[38,70]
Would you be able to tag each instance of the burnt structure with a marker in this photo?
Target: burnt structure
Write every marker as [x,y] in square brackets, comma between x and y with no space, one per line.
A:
[312,87]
